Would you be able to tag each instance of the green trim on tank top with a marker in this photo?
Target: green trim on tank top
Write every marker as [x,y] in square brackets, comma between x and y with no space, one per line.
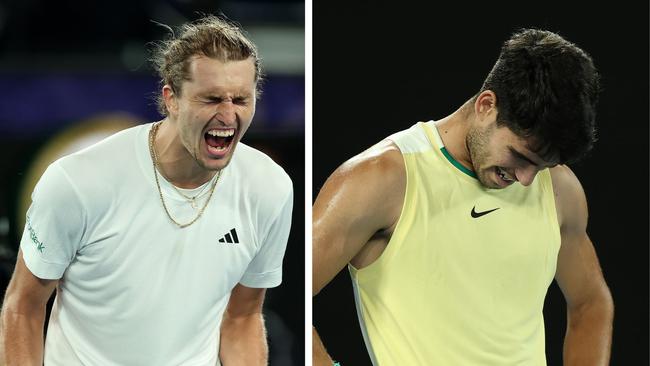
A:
[457,164]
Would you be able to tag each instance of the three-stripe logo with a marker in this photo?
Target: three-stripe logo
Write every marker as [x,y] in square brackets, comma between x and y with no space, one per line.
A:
[230,237]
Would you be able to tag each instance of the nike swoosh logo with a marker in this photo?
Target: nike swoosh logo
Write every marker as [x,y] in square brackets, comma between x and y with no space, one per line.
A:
[479,214]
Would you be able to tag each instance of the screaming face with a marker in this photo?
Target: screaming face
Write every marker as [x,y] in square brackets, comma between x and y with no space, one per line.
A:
[214,109]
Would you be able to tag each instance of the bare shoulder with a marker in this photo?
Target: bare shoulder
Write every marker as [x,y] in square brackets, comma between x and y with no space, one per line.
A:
[372,180]
[361,198]
[383,159]
[570,199]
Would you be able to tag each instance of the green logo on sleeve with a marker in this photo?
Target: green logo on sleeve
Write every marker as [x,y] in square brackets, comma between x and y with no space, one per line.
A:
[32,235]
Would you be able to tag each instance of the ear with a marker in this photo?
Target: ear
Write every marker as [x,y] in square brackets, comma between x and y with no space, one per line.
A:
[485,106]
[170,99]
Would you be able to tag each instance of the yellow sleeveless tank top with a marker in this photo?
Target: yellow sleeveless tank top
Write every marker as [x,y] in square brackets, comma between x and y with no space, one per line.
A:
[463,279]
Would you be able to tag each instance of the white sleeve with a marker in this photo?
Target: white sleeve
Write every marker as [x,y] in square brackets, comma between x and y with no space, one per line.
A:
[265,270]
[54,226]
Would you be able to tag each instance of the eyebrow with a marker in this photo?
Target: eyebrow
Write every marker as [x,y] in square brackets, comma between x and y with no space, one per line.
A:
[521,156]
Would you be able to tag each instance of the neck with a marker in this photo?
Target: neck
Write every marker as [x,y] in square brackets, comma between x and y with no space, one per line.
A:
[175,162]
[453,131]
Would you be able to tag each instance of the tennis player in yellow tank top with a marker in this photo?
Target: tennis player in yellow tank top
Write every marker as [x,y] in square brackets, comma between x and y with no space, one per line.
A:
[452,230]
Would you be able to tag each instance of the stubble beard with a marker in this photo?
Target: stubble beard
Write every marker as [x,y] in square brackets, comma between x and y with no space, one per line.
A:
[477,144]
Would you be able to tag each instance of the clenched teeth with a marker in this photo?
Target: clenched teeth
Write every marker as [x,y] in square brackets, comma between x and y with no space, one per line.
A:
[222,133]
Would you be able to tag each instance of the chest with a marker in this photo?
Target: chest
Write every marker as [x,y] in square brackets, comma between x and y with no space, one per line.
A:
[500,240]
[134,248]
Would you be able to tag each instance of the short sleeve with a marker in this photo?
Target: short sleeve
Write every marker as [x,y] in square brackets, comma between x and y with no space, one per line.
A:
[265,270]
[54,225]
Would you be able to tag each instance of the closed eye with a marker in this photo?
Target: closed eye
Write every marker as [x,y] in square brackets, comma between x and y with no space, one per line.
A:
[521,157]
[240,100]
[235,100]
[214,99]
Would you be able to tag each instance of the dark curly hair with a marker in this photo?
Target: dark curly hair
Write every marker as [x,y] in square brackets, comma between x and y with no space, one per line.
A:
[212,36]
[547,89]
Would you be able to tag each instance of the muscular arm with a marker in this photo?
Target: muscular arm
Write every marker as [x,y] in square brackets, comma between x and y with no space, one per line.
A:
[23,316]
[361,198]
[243,337]
[590,309]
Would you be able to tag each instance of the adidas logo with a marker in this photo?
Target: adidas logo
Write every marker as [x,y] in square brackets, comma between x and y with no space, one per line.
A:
[230,237]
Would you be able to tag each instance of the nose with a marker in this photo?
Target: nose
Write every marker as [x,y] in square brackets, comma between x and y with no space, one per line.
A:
[226,112]
[526,175]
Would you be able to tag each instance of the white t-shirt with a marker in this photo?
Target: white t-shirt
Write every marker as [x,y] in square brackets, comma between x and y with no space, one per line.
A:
[134,288]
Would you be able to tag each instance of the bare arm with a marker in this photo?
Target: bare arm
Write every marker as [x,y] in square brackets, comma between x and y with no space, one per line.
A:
[23,316]
[590,309]
[361,198]
[243,336]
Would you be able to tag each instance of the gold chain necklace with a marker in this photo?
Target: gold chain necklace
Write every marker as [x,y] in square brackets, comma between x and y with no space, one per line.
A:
[191,200]
[154,159]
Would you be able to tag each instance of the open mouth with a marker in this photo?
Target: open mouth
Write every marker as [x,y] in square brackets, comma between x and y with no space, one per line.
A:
[219,140]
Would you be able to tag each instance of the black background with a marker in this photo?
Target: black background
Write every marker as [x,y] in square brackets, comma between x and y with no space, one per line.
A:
[381,66]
